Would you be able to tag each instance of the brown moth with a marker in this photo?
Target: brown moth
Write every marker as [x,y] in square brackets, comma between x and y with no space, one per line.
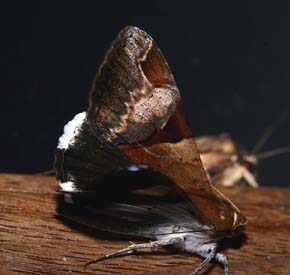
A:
[129,165]
[225,162]
[229,165]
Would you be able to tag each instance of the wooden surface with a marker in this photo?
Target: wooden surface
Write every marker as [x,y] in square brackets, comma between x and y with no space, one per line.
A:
[34,241]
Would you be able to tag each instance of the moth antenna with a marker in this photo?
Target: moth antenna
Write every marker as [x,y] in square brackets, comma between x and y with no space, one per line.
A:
[269,131]
[272,153]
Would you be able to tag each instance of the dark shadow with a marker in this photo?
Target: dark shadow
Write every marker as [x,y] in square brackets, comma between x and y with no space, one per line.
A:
[234,242]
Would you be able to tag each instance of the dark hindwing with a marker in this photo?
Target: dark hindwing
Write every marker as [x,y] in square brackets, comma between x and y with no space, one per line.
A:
[87,160]
[147,211]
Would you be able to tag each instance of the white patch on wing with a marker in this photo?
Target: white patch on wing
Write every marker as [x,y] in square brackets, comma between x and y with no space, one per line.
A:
[134,168]
[68,186]
[70,129]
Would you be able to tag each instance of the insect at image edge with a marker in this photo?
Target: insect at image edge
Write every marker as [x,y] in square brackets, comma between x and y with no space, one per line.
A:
[134,125]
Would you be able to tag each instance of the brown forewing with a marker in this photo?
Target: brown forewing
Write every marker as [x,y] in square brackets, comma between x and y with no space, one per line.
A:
[181,163]
[134,93]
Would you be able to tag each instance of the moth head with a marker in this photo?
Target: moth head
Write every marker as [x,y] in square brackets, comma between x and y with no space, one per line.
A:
[249,161]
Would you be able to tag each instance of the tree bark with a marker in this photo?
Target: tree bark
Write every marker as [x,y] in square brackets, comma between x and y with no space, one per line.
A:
[33,240]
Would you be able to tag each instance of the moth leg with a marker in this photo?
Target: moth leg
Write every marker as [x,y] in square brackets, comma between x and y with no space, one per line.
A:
[249,178]
[212,254]
[135,247]
[222,259]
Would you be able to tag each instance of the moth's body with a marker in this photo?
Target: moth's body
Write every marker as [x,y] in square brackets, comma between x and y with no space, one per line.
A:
[199,244]
[129,165]
[225,163]
[194,243]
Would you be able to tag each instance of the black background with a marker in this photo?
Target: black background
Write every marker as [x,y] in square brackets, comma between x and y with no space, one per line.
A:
[230,61]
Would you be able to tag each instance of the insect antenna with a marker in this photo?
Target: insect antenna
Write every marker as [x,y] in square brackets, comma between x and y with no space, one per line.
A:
[268,133]
[272,153]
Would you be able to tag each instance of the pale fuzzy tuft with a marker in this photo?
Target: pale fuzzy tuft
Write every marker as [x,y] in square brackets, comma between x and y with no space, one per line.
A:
[194,242]
[69,130]
[68,186]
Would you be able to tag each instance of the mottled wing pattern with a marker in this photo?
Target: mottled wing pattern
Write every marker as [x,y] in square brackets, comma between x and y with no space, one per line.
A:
[134,93]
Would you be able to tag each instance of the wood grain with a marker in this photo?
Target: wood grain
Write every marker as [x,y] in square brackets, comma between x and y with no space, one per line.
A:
[34,241]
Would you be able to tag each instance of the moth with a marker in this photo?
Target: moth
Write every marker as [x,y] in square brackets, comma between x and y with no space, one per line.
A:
[228,164]
[129,164]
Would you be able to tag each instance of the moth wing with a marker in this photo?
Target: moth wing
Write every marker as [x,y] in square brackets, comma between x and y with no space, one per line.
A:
[222,144]
[215,162]
[83,159]
[133,96]
[181,163]
[145,212]
[134,93]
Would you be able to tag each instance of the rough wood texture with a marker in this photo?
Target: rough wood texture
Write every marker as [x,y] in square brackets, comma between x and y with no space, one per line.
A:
[34,241]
